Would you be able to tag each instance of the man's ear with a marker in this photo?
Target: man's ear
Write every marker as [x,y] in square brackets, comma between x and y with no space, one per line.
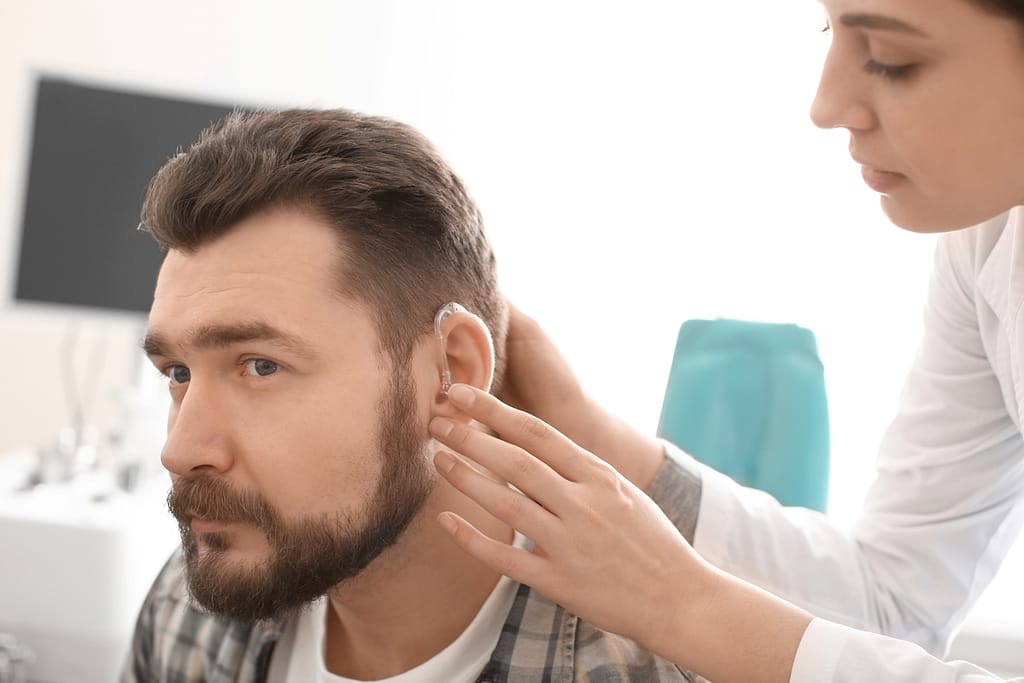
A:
[467,346]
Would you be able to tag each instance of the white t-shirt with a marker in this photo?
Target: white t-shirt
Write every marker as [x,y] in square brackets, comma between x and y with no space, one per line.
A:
[299,655]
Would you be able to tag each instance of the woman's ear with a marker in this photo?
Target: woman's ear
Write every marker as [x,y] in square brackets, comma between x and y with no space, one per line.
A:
[466,345]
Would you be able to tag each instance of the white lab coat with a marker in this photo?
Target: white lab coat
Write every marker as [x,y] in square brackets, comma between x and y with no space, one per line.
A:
[947,501]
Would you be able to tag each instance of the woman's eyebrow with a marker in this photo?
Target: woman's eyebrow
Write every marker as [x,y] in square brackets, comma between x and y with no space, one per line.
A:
[880,22]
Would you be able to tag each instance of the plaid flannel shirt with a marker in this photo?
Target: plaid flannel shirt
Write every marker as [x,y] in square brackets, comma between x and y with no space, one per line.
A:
[178,642]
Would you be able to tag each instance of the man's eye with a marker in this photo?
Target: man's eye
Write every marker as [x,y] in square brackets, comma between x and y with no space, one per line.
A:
[261,367]
[179,374]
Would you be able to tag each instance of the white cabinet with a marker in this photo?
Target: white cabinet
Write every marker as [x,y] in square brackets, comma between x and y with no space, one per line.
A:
[76,560]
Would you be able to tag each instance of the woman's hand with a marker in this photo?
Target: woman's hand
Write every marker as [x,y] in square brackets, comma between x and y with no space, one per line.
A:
[604,550]
[539,381]
[600,542]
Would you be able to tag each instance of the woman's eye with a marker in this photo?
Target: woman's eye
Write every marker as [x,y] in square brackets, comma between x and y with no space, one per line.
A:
[890,71]
[178,374]
[261,367]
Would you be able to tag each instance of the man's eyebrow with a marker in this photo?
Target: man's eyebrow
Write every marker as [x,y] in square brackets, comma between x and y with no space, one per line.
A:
[221,335]
[880,22]
[153,344]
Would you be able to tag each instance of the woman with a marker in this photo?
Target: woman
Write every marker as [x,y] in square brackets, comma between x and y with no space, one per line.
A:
[932,94]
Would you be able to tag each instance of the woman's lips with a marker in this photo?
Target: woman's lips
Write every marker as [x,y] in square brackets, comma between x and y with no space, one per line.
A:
[879,180]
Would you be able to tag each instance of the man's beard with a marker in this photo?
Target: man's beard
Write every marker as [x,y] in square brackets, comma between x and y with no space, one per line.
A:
[307,558]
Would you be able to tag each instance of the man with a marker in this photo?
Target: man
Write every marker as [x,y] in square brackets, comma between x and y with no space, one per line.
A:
[307,255]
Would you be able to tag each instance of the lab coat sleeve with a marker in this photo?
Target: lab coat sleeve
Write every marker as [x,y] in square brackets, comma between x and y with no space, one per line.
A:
[941,514]
[830,653]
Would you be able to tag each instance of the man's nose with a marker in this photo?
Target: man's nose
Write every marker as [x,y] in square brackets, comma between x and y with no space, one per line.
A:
[198,432]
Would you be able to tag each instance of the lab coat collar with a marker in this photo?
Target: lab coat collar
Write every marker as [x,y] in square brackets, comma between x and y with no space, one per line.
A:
[1000,283]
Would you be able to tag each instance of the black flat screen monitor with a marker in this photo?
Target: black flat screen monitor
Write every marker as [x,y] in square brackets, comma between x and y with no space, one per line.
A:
[92,154]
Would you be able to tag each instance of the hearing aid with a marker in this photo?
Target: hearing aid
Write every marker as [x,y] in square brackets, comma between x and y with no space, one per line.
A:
[442,313]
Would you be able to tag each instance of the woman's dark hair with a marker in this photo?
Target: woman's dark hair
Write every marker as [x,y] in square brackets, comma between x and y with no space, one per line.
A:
[1010,8]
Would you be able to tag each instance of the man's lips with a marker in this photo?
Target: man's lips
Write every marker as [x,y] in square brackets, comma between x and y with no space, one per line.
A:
[200,525]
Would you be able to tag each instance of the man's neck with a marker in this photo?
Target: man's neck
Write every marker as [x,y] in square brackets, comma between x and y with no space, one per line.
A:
[414,600]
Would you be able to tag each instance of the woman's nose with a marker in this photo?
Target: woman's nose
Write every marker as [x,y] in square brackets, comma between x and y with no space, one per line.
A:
[843,99]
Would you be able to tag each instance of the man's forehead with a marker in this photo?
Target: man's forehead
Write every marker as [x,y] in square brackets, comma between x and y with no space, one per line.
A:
[266,266]
[275,276]
[276,238]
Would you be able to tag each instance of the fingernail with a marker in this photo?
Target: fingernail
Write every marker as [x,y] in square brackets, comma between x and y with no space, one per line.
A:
[448,523]
[444,461]
[462,394]
[441,426]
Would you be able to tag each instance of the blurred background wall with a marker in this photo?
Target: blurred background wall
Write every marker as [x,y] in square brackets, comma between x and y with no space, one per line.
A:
[638,164]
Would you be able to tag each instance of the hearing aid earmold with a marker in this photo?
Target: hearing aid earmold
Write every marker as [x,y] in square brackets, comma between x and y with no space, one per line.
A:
[442,313]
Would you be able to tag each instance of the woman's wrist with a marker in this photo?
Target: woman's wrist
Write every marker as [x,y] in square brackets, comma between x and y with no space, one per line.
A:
[714,625]
[637,456]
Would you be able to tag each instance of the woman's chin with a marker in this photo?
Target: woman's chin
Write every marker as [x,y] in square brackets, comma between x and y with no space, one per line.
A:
[925,219]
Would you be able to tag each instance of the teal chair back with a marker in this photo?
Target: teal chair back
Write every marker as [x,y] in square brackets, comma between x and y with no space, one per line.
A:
[748,399]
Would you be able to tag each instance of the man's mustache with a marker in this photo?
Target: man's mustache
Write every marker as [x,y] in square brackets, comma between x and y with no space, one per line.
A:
[213,499]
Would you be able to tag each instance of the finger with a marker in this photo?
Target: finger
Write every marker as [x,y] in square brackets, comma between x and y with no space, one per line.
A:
[507,461]
[524,430]
[508,505]
[516,563]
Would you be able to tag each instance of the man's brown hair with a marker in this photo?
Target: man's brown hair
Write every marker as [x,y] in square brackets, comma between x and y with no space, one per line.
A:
[412,238]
